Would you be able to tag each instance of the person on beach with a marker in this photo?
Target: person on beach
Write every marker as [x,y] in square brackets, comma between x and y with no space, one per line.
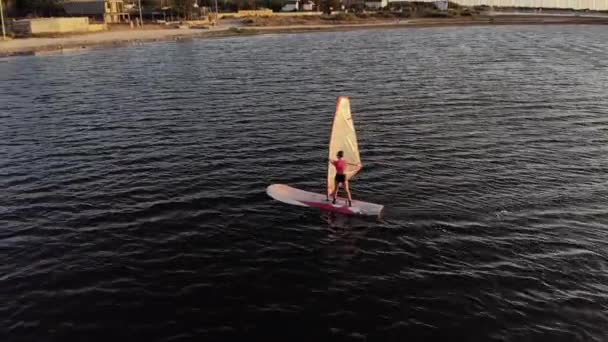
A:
[340,164]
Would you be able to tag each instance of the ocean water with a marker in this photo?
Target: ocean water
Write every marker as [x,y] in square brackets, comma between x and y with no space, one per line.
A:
[133,205]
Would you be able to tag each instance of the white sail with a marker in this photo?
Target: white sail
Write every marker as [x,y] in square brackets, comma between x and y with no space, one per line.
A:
[343,138]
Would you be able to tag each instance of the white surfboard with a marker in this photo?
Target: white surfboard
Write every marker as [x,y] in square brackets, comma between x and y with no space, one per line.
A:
[290,195]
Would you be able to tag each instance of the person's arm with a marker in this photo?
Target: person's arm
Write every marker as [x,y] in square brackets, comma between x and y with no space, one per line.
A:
[358,165]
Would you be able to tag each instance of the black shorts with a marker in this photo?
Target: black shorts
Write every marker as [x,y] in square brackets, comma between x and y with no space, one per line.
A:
[340,179]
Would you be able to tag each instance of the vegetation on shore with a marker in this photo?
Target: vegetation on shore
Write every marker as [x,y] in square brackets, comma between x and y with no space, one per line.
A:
[407,11]
[240,31]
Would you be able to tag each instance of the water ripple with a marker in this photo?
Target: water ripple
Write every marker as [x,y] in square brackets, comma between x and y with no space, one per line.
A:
[133,204]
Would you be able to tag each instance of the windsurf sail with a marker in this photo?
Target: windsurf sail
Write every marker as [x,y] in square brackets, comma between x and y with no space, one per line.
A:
[343,138]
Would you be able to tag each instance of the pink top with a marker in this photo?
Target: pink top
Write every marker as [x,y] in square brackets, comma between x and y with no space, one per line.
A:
[340,165]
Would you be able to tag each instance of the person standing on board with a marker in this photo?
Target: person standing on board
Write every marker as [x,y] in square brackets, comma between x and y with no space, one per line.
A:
[340,166]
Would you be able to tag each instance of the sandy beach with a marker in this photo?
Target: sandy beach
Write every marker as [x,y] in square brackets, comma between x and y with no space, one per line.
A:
[30,46]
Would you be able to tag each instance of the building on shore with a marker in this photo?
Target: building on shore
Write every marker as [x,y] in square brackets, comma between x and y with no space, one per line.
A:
[291,6]
[46,26]
[308,6]
[593,5]
[110,11]
[376,4]
[298,5]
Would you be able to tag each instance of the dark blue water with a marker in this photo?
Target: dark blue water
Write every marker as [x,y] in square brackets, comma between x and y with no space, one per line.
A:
[133,205]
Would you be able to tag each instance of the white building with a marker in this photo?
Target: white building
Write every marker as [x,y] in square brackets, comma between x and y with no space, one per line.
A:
[376,4]
[442,5]
[298,5]
[291,5]
[308,6]
[594,5]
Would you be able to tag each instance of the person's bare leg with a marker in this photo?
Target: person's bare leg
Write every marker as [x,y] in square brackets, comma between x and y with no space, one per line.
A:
[350,198]
[331,192]
[335,192]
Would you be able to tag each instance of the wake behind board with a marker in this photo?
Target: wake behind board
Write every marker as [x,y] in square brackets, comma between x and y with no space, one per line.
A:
[289,195]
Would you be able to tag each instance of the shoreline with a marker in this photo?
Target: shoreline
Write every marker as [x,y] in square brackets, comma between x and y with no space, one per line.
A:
[40,46]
